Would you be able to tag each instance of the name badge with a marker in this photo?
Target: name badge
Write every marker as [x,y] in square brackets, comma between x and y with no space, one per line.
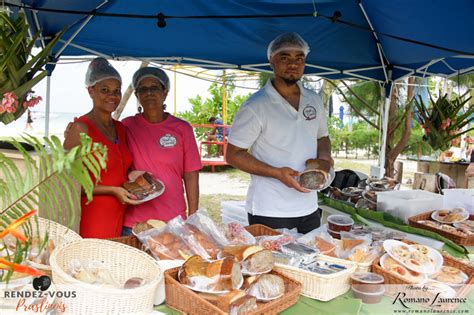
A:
[309,112]
[167,141]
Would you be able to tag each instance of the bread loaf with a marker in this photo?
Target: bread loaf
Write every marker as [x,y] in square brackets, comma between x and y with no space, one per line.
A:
[219,275]
[254,259]
[267,286]
[237,302]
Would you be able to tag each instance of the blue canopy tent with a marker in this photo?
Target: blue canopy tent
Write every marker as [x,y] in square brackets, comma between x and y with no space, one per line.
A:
[375,40]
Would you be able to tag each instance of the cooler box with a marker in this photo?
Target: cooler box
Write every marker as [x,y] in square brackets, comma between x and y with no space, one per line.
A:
[407,203]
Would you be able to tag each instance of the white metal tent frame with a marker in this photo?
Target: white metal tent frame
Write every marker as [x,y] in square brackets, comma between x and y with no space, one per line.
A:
[324,71]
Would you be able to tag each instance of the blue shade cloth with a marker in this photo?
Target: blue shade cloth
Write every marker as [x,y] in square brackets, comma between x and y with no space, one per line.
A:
[340,47]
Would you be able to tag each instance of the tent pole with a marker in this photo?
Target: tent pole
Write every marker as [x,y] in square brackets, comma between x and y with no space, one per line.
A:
[174,90]
[224,97]
[384,132]
[48,100]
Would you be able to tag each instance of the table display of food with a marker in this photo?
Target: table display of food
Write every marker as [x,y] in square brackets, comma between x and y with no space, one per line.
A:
[230,269]
[455,224]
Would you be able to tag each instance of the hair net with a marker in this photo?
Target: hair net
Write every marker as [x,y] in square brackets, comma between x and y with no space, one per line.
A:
[100,69]
[151,72]
[287,41]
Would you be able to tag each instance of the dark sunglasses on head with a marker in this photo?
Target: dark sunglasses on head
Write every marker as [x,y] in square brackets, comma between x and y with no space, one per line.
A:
[151,89]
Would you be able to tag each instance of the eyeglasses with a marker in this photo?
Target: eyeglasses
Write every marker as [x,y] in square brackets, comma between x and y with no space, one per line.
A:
[154,89]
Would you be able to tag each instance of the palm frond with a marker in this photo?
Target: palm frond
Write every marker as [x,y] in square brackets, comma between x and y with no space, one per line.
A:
[50,181]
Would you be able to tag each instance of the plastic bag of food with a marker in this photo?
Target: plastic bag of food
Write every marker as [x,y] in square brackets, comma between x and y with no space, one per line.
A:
[201,243]
[93,272]
[164,244]
[293,232]
[236,234]
[267,287]
[253,259]
[212,276]
[274,242]
[321,240]
[204,223]
[349,241]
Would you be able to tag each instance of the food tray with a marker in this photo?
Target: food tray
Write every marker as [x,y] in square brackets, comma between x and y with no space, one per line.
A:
[391,278]
[320,287]
[187,301]
[130,240]
[461,240]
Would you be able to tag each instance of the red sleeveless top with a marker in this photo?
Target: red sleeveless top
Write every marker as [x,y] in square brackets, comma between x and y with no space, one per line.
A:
[103,216]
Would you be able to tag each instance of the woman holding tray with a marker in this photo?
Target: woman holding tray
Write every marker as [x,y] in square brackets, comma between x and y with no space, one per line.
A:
[103,216]
[165,146]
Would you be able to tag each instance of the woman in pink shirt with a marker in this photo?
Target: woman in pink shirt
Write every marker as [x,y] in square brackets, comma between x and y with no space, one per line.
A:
[164,146]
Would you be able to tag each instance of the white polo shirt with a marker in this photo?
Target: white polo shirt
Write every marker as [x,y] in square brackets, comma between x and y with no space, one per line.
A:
[280,136]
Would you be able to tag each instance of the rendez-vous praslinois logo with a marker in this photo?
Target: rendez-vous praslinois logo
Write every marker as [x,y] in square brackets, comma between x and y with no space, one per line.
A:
[41,286]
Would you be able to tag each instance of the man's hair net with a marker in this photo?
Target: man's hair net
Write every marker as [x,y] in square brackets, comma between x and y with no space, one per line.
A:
[151,72]
[100,69]
[287,41]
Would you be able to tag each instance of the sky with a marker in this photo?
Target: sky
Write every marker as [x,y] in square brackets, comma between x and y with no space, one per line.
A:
[68,92]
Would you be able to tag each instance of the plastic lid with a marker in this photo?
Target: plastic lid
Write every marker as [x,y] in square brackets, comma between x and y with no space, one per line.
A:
[369,293]
[368,277]
[340,219]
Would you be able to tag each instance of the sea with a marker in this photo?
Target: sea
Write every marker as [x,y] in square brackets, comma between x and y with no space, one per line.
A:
[57,124]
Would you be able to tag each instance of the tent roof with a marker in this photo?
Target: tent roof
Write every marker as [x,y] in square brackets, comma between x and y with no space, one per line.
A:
[412,37]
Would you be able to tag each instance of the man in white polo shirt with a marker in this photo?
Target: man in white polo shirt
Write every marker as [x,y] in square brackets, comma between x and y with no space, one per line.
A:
[273,134]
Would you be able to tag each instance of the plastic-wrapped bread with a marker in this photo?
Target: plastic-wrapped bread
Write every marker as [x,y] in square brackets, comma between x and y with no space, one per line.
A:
[237,302]
[216,276]
[254,259]
[267,287]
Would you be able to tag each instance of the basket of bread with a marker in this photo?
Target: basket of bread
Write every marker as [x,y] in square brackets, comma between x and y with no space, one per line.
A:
[406,265]
[107,277]
[455,224]
[222,267]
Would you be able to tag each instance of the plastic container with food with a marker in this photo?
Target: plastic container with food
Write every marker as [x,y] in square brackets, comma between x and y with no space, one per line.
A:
[368,297]
[336,235]
[367,282]
[338,223]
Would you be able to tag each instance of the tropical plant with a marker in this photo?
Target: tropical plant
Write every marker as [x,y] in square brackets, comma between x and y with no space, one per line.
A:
[20,70]
[443,119]
[45,183]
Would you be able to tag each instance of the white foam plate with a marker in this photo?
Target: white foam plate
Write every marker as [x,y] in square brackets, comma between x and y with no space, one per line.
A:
[382,264]
[428,269]
[465,216]
[213,292]
[152,196]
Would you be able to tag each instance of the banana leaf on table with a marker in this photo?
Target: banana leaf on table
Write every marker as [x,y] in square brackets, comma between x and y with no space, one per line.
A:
[390,221]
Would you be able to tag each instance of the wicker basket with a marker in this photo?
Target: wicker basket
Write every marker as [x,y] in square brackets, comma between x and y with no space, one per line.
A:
[130,240]
[58,233]
[123,263]
[316,286]
[189,302]
[392,279]
[461,240]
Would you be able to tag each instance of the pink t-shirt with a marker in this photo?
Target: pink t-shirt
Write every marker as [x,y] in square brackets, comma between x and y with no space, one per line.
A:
[167,150]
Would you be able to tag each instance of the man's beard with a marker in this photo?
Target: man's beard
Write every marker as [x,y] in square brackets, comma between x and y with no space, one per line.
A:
[290,81]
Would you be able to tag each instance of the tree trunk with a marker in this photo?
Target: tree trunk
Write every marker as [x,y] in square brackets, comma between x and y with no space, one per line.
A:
[394,149]
[126,96]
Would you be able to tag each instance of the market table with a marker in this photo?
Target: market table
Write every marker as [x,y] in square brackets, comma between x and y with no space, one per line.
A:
[347,305]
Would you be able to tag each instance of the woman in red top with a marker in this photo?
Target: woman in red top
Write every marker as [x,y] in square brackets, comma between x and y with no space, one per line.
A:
[103,216]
